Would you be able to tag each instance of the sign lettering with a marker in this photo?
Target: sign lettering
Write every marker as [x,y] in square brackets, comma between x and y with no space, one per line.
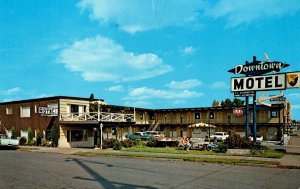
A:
[47,111]
[258,83]
[258,68]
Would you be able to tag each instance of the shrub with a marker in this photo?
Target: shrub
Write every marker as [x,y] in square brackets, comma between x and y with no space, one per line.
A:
[151,143]
[138,142]
[117,145]
[31,142]
[236,141]
[22,141]
[128,143]
[221,147]
[108,142]
[256,148]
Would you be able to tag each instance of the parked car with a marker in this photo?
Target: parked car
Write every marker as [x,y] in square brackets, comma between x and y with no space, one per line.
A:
[155,134]
[8,142]
[259,138]
[219,135]
[141,135]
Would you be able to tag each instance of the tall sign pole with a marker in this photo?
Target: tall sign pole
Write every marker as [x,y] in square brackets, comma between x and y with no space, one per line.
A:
[247,113]
[254,117]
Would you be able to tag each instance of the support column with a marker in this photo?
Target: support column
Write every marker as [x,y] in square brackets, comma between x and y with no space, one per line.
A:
[254,117]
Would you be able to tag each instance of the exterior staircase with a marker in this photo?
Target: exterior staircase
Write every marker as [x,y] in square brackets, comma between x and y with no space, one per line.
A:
[153,126]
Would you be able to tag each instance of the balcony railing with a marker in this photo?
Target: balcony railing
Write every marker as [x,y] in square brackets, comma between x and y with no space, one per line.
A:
[97,116]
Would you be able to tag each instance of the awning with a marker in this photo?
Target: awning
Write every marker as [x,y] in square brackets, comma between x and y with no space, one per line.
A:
[202,125]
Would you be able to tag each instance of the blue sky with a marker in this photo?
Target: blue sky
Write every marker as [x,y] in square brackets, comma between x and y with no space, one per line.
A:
[149,54]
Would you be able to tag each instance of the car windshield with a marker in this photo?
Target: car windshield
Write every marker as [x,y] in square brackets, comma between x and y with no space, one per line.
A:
[218,133]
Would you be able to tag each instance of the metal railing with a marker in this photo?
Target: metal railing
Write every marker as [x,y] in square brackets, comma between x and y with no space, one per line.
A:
[97,116]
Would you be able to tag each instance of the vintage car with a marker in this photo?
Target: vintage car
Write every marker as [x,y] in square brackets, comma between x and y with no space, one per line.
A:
[141,135]
[219,135]
[156,134]
[259,138]
[8,142]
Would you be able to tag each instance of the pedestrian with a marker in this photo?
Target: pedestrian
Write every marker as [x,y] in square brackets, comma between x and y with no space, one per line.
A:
[186,143]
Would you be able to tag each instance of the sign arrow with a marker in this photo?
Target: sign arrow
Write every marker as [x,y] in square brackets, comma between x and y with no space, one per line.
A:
[262,100]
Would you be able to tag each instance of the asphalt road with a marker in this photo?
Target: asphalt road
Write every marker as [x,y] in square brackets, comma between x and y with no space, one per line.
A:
[46,170]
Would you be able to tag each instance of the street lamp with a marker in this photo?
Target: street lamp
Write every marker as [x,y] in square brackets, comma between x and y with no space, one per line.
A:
[101,127]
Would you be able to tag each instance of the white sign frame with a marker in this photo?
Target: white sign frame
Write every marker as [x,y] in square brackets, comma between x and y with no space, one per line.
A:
[259,83]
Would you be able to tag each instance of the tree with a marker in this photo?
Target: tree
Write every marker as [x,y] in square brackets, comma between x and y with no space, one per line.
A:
[13,133]
[38,136]
[227,102]
[216,103]
[235,102]
[29,136]
[54,135]
[238,102]
[92,97]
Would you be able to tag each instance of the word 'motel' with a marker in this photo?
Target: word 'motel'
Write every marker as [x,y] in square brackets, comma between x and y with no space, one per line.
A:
[259,83]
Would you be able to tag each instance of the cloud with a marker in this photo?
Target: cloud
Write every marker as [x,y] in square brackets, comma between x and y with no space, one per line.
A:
[139,103]
[102,59]
[137,16]
[143,93]
[12,91]
[187,84]
[245,12]
[116,88]
[188,50]
[219,85]
[143,96]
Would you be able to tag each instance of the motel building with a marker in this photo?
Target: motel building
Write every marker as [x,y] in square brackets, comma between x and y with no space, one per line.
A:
[80,120]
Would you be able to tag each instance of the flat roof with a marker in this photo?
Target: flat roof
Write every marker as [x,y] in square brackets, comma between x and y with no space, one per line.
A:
[49,98]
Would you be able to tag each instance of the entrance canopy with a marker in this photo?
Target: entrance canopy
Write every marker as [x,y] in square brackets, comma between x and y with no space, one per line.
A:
[202,125]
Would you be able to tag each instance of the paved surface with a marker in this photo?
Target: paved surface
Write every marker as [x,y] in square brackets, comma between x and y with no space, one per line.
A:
[293,146]
[288,160]
[48,170]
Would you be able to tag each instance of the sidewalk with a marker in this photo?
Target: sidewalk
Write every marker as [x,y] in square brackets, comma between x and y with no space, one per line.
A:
[288,160]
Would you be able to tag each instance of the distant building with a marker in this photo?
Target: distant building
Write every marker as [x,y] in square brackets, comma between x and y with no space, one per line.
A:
[79,119]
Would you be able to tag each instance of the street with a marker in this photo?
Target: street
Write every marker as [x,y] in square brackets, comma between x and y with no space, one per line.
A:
[45,170]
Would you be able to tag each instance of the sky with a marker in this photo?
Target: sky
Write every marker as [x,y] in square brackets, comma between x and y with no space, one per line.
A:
[142,53]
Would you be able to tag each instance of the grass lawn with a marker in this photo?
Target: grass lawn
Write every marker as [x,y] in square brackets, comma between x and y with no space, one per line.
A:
[268,153]
[220,160]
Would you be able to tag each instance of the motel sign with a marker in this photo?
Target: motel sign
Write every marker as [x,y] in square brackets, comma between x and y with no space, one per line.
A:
[258,83]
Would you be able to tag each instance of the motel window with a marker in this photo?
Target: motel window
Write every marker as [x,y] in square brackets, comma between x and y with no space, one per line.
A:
[274,113]
[25,111]
[211,115]
[24,133]
[114,131]
[151,115]
[76,135]
[142,116]
[197,115]
[8,110]
[77,109]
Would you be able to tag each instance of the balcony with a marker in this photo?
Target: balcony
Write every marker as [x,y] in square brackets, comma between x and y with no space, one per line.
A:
[96,117]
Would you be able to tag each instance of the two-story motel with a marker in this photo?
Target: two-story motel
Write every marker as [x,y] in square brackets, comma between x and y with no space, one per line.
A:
[79,119]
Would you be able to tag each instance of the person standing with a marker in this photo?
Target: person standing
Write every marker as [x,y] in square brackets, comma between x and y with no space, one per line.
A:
[186,143]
